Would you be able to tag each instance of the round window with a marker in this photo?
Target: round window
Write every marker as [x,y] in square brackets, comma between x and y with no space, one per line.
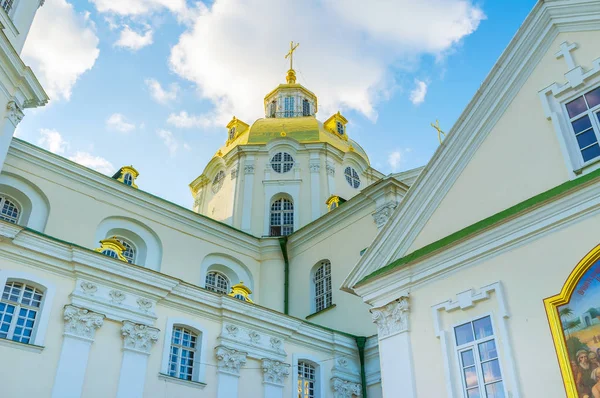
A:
[352,177]
[218,181]
[282,162]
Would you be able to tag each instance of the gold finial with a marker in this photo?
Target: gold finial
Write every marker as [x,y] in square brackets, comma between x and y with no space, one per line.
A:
[439,130]
[291,75]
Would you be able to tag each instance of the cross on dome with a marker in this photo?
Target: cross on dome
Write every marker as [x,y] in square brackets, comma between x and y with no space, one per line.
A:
[291,75]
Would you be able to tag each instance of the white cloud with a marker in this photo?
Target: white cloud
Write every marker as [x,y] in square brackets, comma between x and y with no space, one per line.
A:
[396,158]
[169,141]
[185,120]
[61,46]
[139,7]
[117,122]
[93,162]
[359,50]
[417,95]
[52,140]
[161,95]
[133,40]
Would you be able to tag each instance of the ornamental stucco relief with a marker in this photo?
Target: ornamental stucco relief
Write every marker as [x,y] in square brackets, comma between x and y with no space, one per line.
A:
[81,322]
[392,318]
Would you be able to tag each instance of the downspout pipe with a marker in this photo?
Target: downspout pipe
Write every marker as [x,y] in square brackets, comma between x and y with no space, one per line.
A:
[286,277]
[361,341]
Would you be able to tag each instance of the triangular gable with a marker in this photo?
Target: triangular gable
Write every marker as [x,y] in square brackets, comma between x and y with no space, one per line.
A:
[522,55]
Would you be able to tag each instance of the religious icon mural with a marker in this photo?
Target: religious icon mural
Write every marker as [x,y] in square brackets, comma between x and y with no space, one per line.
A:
[574,317]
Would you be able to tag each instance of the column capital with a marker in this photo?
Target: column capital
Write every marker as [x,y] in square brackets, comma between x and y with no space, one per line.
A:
[314,165]
[138,337]
[14,113]
[392,318]
[345,389]
[81,322]
[275,372]
[229,360]
[330,168]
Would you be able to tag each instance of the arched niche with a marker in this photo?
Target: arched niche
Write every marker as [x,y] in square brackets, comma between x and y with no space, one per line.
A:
[33,203]
[147,243]
[231,267]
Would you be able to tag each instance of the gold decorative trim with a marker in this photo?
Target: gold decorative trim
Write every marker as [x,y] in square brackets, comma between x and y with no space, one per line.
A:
[113,245]
[552,303]
[241,291]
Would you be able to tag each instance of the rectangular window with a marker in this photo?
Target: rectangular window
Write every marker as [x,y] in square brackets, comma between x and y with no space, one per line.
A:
[288,107]
[182,353]
[584,116]
[478,359]
[7,5]
[19,306]
[305,108]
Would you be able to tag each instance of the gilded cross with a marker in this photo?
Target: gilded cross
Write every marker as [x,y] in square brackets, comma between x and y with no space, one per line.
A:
[291,53]
[439,130]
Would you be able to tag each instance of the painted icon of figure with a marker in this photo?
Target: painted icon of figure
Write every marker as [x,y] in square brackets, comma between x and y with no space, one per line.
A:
[596,378]
[583,375]
[593,357]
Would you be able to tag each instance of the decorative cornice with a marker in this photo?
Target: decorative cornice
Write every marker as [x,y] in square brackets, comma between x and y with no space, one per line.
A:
[274,372]
[230,360]
[138,337]
[345,389]
[383,214]
[14,113]
[81,322]
[392,318]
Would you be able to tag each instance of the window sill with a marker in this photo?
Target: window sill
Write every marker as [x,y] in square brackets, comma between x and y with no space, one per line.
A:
[588,167]
[320,312]
[21,346]
[189,383]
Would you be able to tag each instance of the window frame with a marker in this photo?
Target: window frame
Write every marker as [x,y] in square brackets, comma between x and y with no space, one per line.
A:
[218,181]
[327,293]
[221,274]
[3,199]
[126,241]
[594,115]
[351,179]
[199,371]
[282,212]
[306,107]
[319,374]
[474,346]
[128,179]
[40,327]
[283,163]
[340,128]
[289,103]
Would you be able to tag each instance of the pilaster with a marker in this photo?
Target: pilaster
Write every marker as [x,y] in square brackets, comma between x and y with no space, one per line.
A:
[397,377]
[13,116]
[138,340]
[229,363]
[247,194]
[315,194]
[274,374]
[80,330]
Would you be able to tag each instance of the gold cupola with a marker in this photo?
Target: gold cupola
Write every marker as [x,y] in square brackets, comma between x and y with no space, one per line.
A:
[290,99]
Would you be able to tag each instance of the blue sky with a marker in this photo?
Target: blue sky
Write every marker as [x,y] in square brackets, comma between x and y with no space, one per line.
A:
[152,83]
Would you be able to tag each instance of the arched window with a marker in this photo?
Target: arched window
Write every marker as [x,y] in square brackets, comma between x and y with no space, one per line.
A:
[282,162]
[340,128]
[182,359]
[352,177]
[128,179]
[305,108]
[307,380]
[273,109]
[322,281]
[282,217]
[19,308]
[288,108]
[9,210]
[110,253]
[217,282]
[218,181]
[130,250]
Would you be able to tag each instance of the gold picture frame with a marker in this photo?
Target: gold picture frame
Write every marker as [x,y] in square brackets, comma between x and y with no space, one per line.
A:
[552,305]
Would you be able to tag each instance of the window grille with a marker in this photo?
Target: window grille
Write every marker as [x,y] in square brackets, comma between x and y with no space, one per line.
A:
[7,5]
[584,116]
[282,162]
[306,380]
[19,307]
[352,177]
[218,181]
[231,133]
[282,217]
[478,359]
[288,108]
[129,253]
[217,282]
[322,281]
[128,179]
[340,128]
[305,108]
[9,211]
[183,352]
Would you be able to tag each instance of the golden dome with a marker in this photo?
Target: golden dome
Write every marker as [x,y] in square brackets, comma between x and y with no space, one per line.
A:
[302,129]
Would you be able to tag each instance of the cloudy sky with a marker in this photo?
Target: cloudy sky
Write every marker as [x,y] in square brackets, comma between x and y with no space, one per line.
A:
[153,83]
